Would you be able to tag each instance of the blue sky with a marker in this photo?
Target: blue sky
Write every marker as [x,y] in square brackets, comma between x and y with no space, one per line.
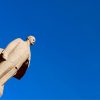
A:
[65,61]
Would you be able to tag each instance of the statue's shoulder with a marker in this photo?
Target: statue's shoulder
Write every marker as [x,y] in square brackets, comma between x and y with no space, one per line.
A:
[19,39]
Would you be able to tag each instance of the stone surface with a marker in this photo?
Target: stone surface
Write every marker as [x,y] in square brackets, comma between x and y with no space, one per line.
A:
[14,60]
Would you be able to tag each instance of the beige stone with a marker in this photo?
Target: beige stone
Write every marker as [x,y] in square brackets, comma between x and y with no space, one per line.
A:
[14,60]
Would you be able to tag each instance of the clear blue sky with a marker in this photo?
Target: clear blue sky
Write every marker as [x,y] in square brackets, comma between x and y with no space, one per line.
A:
[65,60]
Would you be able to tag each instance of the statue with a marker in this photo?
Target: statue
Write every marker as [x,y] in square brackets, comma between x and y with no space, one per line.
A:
[14,60]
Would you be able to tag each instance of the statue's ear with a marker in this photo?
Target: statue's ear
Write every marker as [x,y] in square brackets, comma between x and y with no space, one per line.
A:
[20,73]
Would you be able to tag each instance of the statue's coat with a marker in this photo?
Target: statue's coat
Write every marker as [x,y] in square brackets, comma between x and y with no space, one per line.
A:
[18,55]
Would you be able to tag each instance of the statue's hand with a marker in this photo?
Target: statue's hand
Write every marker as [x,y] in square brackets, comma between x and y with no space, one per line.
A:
[4,56]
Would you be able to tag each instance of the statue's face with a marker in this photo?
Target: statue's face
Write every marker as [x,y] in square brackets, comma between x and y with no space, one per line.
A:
[31,39]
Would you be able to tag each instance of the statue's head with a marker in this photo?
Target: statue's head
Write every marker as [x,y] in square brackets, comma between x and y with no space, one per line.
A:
[31,39]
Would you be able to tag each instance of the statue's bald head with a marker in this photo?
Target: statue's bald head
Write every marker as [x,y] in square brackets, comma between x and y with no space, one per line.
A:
[31,39]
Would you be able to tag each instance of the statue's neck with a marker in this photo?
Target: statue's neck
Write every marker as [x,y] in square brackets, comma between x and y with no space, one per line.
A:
[28,42]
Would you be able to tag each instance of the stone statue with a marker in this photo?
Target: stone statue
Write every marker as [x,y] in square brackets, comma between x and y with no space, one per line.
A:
[14,60]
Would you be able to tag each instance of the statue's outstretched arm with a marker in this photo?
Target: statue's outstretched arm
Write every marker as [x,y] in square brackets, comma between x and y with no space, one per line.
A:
[10,48]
